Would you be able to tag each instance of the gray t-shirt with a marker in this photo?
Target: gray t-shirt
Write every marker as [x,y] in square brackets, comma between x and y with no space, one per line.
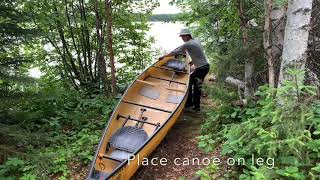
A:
[195,50]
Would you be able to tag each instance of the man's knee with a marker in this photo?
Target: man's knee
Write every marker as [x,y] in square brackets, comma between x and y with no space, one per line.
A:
[198,81]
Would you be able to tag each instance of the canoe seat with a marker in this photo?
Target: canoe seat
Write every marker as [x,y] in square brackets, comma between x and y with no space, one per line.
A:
[98,175]
[120,155]
[176,64]
[175,99]
[149,92]
[128,138]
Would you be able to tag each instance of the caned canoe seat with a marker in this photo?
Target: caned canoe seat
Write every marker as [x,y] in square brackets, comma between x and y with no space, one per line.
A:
[120,155]
[149,92]
[99,175]
[128,138]
[175,99]
[176,64]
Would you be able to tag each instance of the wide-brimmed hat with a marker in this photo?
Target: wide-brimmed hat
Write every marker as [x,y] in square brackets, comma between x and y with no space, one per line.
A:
[184,32]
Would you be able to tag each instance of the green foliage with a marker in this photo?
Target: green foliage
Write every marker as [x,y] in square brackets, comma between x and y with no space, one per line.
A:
[223,115]
[206,143]
[291,172]
[208,173]
[14,62]
[54,122]
[284,127]
[13,165]
[261,173]
[280,3]
[57,126]
[163,17]
[71,49]
[217,25]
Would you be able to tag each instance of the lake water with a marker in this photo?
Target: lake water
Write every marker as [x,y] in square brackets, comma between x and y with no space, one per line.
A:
[166,35]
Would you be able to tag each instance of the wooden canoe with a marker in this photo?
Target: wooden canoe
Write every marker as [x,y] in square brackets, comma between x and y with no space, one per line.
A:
[144,115]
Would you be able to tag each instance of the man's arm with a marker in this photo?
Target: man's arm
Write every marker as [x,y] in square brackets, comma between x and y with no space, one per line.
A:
[178,50]
[167,55]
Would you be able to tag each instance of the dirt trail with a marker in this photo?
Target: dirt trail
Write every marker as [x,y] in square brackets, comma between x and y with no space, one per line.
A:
[180,143]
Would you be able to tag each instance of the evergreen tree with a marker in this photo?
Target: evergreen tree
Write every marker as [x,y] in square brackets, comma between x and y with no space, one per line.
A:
[14,34]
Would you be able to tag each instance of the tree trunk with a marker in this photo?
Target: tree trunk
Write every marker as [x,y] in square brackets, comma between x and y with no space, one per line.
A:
[235,82]
[101,60]
[240,85]
[295,39]
[267,41]
[273,38]
[278,20]
[108,6]
[249,66]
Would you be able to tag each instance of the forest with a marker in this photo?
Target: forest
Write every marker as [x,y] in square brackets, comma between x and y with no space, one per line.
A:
[264,61]
[163,17]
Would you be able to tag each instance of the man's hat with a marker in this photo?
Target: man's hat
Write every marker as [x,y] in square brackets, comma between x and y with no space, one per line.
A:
[184,32]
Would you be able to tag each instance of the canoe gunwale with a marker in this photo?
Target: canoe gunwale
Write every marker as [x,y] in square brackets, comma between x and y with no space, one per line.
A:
[172,113]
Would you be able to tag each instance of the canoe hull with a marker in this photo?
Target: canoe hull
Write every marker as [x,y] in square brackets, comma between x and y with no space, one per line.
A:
[152,104]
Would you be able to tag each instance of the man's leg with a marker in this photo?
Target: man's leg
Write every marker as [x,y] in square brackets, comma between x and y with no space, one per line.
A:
[199,78]
[197,93]
[190,95]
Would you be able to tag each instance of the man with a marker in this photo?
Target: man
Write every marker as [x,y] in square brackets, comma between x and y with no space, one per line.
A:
[199,60]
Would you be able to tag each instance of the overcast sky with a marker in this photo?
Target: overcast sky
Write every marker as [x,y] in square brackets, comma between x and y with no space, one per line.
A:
[166,8]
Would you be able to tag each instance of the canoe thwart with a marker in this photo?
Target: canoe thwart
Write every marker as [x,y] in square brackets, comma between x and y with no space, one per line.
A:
[178,90]
[128,138]
[141,117]
[152,94]
[109,157]
[155,77]
[140,124]
[137,120]
[150,107]
[168,69]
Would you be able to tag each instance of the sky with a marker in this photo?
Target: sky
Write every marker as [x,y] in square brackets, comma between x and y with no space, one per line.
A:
[166,8]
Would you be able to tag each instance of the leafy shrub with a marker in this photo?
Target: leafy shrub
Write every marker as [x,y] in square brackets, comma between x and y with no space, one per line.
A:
[58,126]
[285,127]
[208,172]
[15,167]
